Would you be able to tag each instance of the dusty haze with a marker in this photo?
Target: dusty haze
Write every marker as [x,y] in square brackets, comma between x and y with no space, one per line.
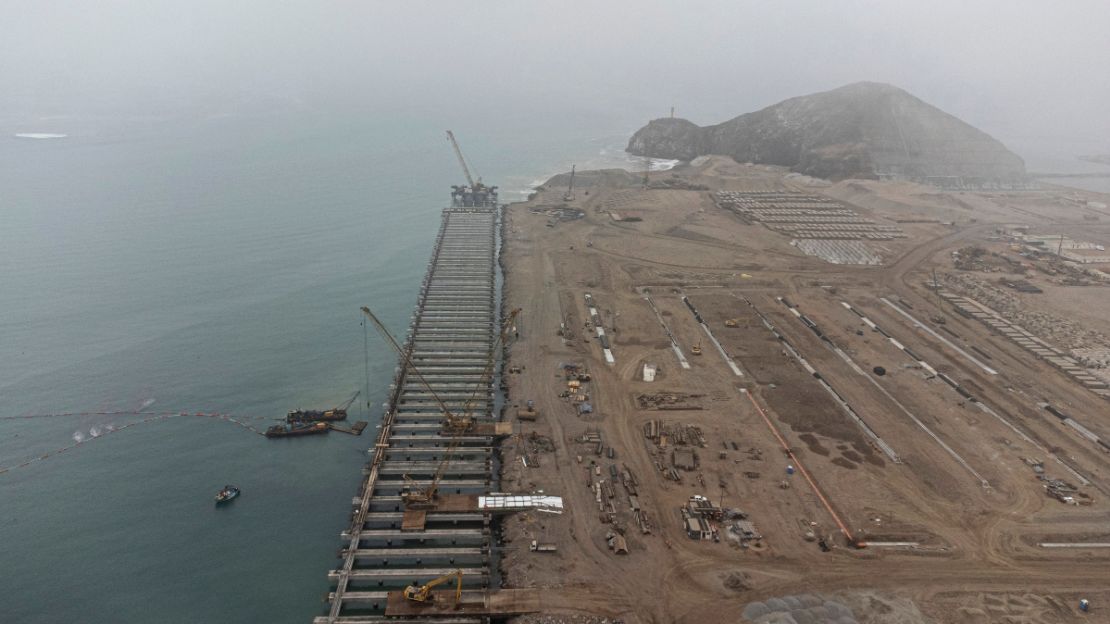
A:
[1029,73]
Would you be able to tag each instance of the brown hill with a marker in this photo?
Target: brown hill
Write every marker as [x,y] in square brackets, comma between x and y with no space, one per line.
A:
[865,129]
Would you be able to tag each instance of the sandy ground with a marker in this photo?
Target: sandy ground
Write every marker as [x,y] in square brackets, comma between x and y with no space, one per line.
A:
[962,489]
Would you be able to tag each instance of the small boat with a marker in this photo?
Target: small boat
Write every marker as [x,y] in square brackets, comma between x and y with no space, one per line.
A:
[334,414]
[296,429]
[230,492]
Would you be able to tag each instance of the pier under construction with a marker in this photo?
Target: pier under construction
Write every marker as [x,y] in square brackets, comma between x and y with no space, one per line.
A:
[446,369]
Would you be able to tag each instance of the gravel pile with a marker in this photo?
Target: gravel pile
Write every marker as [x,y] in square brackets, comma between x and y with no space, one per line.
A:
[1065,333]
[799,609]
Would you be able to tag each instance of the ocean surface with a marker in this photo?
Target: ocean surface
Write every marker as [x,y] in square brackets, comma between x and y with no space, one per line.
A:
[213,265]
[1062,157]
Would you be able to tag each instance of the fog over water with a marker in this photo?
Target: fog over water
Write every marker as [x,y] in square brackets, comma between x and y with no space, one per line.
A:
[196,197]
[1030,73]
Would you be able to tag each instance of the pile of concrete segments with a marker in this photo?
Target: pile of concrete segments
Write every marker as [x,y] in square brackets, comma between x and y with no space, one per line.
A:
[799,609]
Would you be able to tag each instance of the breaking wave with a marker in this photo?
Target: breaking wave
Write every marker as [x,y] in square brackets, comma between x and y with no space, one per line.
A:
[609,156]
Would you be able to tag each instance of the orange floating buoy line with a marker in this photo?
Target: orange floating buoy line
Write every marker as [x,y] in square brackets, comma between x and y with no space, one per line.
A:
[97,432]
[125,413]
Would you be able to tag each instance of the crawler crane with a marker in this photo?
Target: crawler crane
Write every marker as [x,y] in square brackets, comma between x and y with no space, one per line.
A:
[415,497]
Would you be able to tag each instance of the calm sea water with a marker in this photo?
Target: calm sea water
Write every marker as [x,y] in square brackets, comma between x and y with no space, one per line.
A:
[214,265]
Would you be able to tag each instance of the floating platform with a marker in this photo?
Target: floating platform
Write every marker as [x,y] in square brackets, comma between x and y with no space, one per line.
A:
[355,428]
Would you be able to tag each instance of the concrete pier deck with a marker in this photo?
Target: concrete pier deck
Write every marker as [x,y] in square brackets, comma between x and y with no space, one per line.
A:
[450,339]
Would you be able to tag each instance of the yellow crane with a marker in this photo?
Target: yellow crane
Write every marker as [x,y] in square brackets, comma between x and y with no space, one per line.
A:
[423,593]
[452,421]
[415,497]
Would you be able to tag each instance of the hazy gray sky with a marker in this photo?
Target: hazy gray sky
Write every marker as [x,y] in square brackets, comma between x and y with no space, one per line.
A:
[1022,70]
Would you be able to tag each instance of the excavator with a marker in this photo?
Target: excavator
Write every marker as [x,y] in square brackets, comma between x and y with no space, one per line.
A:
[731,322]
[423,593]
[696,349]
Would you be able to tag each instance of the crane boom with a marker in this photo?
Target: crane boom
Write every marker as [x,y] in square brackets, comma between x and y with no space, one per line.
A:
[408,363]
[347,403]
[457,425]
[569,195]
[464,423]
[462,161]
[454,421]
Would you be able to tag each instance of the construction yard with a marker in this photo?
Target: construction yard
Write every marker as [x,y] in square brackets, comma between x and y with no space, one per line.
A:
[761,397]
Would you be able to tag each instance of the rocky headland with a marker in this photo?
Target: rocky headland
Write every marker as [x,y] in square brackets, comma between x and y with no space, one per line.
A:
[864,129]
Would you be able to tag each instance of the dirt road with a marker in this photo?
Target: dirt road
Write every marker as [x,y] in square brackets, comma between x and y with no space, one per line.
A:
[968,553]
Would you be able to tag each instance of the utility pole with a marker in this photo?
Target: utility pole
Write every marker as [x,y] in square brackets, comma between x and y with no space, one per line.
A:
[672,112]
[569,195]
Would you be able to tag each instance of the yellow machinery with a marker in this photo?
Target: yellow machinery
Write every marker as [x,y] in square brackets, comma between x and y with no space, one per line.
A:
[414,497]
[423,593]
[730,323]
[454,423]
[696,349]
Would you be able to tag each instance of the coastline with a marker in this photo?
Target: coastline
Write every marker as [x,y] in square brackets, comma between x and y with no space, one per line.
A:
[609,156]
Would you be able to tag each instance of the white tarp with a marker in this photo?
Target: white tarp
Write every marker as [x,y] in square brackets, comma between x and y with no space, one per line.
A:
[512,502]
